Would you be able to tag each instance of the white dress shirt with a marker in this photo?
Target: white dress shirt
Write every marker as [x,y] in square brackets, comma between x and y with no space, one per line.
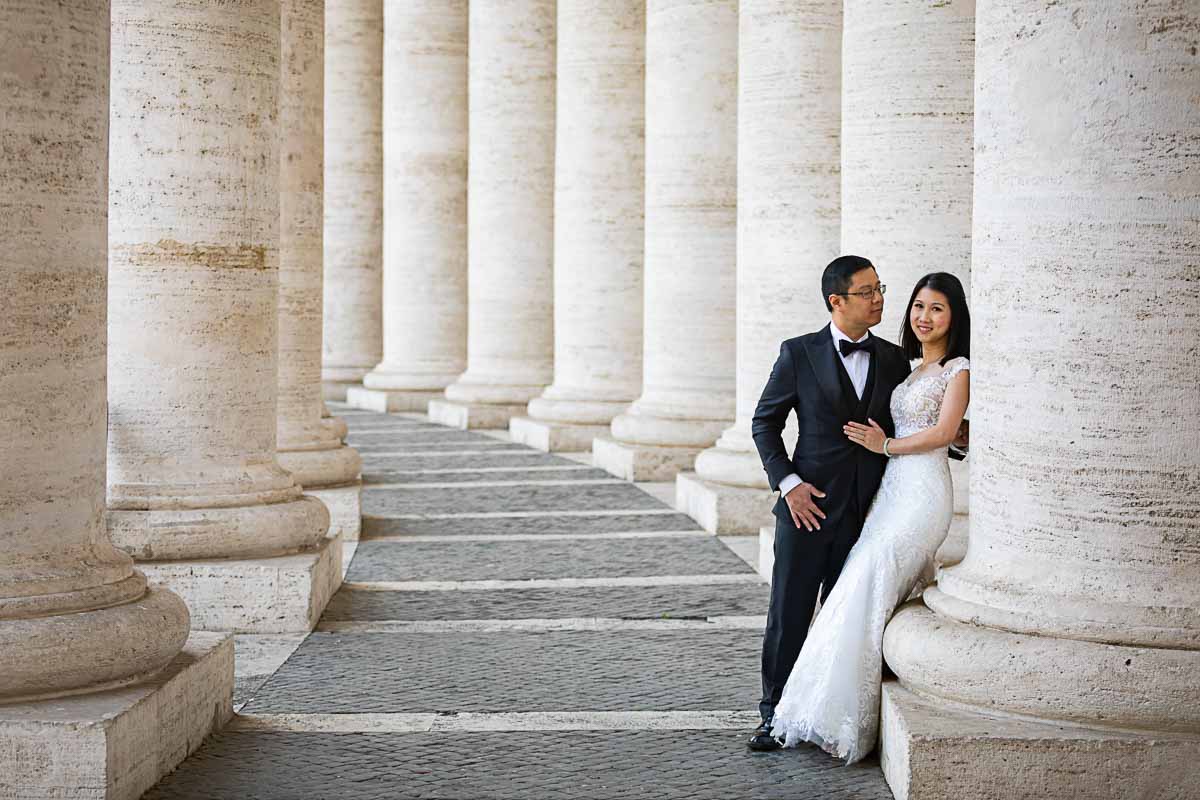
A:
[858,367]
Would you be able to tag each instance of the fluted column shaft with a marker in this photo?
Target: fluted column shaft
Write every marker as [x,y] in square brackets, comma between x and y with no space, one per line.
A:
[64,589]
[598,212]
[691,185]
[511,202]
[425,196]
[906,142]
[194,283]
[1081,573]
[789,199]
[353,330]
[308,448]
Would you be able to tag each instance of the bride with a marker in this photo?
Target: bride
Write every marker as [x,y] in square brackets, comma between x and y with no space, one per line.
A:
[832,693]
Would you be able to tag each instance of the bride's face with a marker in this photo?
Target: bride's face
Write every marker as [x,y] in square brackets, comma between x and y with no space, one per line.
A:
[930,316]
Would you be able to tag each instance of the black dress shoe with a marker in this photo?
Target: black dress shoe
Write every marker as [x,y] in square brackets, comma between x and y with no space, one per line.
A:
[762,740]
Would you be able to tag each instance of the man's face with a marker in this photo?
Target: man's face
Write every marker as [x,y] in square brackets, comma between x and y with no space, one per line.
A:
[862,305]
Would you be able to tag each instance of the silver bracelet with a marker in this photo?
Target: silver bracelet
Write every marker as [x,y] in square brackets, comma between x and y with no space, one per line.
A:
[885,444]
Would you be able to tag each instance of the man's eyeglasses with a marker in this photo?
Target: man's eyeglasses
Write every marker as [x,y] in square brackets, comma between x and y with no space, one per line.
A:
[866,294]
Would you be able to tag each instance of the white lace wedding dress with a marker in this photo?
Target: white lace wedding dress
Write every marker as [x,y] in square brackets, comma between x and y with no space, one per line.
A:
[832,695]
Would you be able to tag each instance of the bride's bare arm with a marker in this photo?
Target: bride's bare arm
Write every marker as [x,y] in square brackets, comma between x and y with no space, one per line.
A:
[940,436]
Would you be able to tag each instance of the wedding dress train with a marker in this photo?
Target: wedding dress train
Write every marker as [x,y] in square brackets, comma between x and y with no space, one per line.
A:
[832,694]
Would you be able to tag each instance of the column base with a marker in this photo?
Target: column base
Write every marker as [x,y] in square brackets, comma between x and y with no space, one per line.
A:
[345,508]
[766,551]
[641,462]
[474,416]
[387,401]
[336,390]
[115,745]
[930,751]
[720,508]
[284,594]
[554,437]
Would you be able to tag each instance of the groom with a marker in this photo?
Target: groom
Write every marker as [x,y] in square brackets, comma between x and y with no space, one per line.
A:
[838,374]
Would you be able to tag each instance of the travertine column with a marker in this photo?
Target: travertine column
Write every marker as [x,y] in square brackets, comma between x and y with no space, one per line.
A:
[353,330]
[194,287]
[425,206]
[789,190]
[690,275]
[907,132]
[309,448]
[599,186]
[510,215]
[75,615]
[1077,599]
[906,142]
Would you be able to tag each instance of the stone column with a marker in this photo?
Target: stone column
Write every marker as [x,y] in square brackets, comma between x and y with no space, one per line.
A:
[1076,604]
[193,297]
[598,233]
[510,215]
[907,133]
[425,206]
[308,448]
[690,275]
[788,210]
[353,329]
[75,616]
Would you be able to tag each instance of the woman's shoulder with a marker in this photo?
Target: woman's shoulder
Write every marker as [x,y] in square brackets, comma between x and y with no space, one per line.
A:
[955,366]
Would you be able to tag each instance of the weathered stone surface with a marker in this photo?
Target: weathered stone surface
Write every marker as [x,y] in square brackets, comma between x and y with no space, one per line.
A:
[1085,551]
[283,594]
[114,745]
[510,209]
[637,462]
[308,448]
[561,671]
[697,765]
[193,286]
[610,602]
[720,507]
[599,192]
[550,525]
[63,587]
[508,499]
[344,504]
[690,228]
[561,437]
[789,215]
[523,560]
[425,202]
[353,242]
[470,475]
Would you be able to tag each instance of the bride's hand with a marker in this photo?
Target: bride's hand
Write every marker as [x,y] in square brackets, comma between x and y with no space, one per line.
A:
[870,437]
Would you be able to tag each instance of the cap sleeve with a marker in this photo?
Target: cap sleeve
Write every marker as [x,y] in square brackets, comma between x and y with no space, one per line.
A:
[957,365]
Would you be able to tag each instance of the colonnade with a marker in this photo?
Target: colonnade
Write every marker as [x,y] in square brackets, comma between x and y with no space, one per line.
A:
[278,207]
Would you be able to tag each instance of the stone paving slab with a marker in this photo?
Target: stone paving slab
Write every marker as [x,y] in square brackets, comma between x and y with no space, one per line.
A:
[608,602]
[553,558]
[342,673]
[377,465]
[485,499]
[545,526]
[406,436]
[599,765]
[516,474]
[434,446]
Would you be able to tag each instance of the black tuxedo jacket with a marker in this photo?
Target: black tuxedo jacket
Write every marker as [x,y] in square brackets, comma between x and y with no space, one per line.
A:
[809,377]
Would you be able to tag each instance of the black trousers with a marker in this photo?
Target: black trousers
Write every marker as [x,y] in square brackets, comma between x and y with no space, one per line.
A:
[805,563]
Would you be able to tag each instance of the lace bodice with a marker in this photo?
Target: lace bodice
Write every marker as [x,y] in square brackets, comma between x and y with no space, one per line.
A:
[917,402]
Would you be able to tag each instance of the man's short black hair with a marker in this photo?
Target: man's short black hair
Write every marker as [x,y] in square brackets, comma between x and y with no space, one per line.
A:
[836,278]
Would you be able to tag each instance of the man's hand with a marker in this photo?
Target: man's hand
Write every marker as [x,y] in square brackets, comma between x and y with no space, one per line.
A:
[962,439]
[804,511]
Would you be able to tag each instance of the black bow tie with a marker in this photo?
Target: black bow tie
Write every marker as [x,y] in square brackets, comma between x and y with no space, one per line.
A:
[847,347]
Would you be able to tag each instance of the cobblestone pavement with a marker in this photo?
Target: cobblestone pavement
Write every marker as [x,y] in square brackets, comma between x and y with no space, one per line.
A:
[515,625]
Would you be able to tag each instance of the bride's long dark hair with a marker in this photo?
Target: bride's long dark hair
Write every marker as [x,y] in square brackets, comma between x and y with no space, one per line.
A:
[958,339]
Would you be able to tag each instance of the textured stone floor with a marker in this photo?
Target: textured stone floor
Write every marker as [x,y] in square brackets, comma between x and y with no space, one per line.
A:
[514,625]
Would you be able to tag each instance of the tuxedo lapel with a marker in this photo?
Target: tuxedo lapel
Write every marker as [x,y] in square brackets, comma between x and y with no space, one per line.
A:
[826,365]
[880,395]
